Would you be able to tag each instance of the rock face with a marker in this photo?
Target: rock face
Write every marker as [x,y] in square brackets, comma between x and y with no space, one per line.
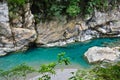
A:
[22,37]
[55,33]
[11,38]
[106,22]
[97,54]
[18,30]
[5,31]
[101,24]
[23,18]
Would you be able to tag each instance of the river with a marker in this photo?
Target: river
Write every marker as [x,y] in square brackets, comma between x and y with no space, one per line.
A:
[37,56]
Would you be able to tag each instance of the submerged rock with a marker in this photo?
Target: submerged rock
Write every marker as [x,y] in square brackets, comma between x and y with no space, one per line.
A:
[97,54]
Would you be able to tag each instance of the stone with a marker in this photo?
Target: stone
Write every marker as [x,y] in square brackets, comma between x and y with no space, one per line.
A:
[5,29]
[98,54]
[105,22]
[28,18]
[87,35]
[103,17]
[23,36]
[2,53]
[4,12]
[102,30]
[23,18]
[53,31]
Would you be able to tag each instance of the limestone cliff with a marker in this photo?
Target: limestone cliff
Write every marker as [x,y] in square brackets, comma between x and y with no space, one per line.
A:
[15,38]
[18,32]
[101,24]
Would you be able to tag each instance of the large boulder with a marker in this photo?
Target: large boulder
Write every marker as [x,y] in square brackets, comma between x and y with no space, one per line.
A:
[96,54]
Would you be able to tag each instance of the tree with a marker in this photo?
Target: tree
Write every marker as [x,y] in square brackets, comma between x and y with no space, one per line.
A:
[22,70]
[46,70]
[63,59]
[17,72]
[107,71]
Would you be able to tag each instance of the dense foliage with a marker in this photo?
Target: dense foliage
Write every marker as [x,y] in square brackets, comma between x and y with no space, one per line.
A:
[16,73]
[105,72]
[47,9]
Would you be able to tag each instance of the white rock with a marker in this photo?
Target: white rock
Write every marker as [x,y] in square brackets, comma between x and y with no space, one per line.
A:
[96,54]
[4,12]
[2,53]
[102,30]
[24,36]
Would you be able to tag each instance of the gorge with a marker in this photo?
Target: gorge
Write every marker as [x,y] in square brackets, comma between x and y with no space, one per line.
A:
[31,33]
[37,56]
[19,31]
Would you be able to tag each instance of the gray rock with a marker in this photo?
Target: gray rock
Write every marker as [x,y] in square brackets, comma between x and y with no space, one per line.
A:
[105,22]
[23,36]
[4,12]
[2,53]
[14,39]
[53,31]
[102,30]
[96,54]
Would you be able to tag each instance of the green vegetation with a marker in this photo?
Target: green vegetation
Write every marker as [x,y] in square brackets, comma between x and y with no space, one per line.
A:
[62,59]
[21,71]
[16,2]
[105,72]
[16,73]
[50,9]
[46,70]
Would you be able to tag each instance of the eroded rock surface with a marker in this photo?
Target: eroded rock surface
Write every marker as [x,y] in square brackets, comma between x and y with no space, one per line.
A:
[106,22]
[15,38]
[23,37]
[97,54]
[55,33]
[17,32]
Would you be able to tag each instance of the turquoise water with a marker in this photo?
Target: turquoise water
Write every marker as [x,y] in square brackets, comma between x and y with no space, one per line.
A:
[35,57]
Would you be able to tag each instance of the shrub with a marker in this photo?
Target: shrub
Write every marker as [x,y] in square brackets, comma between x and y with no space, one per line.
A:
[73,10]
[17,2]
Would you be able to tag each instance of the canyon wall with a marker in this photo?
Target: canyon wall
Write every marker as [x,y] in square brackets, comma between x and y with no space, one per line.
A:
[19,32]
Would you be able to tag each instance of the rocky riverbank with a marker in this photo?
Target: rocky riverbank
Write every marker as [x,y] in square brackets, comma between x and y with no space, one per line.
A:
[18,32]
